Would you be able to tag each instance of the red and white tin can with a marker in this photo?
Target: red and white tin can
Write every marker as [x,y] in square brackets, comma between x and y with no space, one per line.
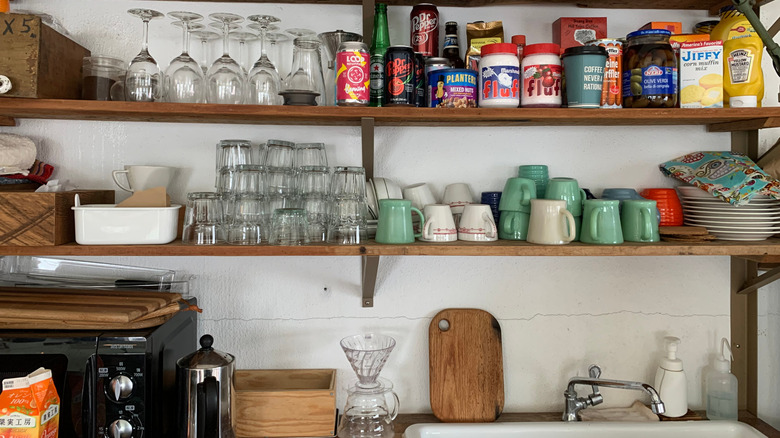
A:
[352,74]
[425,30]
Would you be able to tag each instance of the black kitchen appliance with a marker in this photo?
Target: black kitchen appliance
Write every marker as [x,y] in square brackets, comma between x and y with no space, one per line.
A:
[112,384]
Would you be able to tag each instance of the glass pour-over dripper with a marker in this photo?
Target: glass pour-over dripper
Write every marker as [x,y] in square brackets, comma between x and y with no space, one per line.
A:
[367,354]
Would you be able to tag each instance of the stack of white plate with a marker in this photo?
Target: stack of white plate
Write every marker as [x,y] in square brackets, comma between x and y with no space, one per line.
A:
[757,220]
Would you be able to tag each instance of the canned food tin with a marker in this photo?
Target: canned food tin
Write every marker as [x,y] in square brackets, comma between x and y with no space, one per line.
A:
[433,64]
[399,76]
[425,29]
[612,89]
[352,75]
[453,88]
[419,79]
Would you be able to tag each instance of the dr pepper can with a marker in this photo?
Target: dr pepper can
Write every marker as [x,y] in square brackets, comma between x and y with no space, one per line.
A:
[400,87]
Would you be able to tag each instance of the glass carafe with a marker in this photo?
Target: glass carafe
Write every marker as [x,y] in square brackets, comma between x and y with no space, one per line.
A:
[306,71]
[367,414]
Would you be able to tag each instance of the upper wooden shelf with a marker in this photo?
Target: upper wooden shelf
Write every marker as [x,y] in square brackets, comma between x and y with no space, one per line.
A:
[762,250]
[723,119]
[709,5]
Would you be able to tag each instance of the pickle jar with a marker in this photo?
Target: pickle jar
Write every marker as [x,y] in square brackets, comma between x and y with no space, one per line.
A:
[649,70]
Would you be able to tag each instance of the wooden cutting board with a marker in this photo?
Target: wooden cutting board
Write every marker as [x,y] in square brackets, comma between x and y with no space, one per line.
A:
[466,366]
[76,307]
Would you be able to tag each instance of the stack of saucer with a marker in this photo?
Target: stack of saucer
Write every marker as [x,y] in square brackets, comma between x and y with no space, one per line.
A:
[757,220]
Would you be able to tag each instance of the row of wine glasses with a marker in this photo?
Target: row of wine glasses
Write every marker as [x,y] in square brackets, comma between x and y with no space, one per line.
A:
[225,81]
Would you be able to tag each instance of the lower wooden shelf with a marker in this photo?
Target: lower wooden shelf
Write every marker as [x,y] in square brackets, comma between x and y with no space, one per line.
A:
[764,251]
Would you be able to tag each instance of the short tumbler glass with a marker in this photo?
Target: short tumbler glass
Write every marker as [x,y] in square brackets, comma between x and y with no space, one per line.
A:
[203,221]
[289,226]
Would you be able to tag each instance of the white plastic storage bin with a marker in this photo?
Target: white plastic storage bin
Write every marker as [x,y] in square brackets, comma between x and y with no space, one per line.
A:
[105,224]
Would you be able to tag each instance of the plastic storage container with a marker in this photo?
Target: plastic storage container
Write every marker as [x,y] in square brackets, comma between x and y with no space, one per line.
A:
[102,78]
[106,224]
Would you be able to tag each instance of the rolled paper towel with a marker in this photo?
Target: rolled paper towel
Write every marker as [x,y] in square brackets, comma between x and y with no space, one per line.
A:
[17,154]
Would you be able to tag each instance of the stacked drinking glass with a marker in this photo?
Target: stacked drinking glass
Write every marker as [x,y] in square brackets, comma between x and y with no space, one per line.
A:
[348,217]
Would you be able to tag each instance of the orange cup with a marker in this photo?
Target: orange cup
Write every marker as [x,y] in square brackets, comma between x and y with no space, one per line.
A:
[668,205]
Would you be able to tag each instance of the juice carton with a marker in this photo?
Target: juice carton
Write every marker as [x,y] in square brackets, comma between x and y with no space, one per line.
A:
[701,74]
[30,406]
[576,31]
[671,26]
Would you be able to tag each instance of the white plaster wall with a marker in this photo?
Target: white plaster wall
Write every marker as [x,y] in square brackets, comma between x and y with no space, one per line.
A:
[558,315]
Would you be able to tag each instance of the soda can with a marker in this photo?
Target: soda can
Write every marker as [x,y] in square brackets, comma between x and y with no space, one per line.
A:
[419,79]
[612,88]
[399,76]
[425,29]
[433,64]
[352,75]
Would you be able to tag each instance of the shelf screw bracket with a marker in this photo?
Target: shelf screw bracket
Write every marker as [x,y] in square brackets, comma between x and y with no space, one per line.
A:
[369,268]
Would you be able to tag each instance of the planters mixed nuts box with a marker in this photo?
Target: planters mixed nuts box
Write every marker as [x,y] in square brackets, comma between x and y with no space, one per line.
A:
[30,406]
[701,74]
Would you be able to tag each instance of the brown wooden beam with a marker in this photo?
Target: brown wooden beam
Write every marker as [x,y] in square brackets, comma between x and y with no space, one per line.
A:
[7,121]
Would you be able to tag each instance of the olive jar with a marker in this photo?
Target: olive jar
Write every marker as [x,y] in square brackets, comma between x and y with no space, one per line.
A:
[649,70]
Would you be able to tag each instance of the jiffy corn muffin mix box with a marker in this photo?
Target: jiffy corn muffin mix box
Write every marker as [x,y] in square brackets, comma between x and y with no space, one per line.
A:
[30,406]
[701,74]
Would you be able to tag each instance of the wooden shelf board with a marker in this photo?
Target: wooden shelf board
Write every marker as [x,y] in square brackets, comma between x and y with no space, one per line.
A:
[756,250]
[724,119]
[710,5]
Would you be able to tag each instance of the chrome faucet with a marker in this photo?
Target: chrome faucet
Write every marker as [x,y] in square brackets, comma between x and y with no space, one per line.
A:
[574,405]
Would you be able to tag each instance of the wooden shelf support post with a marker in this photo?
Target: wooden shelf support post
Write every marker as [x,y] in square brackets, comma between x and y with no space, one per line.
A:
[7,121]
[369,268]
[367,140]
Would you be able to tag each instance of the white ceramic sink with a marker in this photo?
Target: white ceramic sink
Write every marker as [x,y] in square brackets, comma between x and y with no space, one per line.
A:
[682,429]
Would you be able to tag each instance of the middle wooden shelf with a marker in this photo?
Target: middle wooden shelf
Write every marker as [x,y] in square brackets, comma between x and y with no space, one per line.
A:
[760,250]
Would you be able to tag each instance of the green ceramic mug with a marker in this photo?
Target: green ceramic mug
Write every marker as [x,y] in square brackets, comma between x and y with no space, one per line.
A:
[517,195]
[395,221]
[567,190]
[601,222]
[640,221]
[513,225]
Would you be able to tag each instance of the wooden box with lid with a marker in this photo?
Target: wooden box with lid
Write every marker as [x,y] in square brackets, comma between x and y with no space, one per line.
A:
[39,61]
[43,219]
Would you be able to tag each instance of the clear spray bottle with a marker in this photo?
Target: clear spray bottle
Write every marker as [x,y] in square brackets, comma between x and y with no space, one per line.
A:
[721,387]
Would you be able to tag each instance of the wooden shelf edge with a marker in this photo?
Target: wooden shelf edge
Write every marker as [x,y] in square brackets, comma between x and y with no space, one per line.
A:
[718,120]
[709,5]
[764,250]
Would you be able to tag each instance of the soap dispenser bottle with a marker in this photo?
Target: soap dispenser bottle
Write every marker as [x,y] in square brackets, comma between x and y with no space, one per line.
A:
[670,381]
[721,387]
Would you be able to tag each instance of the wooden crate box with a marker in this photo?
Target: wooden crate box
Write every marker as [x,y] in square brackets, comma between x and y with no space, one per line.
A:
[285,403]
[43,219]
[39,61]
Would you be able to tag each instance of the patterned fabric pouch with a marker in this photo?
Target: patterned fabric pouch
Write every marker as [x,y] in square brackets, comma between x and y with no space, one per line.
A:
[729,176]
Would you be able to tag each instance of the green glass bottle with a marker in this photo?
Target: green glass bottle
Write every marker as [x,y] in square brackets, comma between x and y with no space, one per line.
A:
[379,44]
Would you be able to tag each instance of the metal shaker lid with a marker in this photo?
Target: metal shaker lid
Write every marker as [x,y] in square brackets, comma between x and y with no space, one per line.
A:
[206,357]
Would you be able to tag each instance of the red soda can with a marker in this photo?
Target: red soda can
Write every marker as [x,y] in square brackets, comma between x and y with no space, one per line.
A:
[352,74]
[399,76]
[425,29]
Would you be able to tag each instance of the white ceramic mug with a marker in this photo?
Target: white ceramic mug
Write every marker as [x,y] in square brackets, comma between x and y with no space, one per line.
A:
[477,224]
[439,224]
[457,196]
[420,194]
[550,223]
[144,177]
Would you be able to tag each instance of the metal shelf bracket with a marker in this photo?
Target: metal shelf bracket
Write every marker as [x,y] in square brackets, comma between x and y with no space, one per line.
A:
[369,268]
[755,281]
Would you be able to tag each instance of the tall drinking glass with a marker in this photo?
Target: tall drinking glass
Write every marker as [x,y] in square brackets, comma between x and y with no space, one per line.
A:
[143,82]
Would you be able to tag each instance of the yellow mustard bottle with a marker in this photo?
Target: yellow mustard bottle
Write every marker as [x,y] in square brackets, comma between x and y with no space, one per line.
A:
[743,79]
